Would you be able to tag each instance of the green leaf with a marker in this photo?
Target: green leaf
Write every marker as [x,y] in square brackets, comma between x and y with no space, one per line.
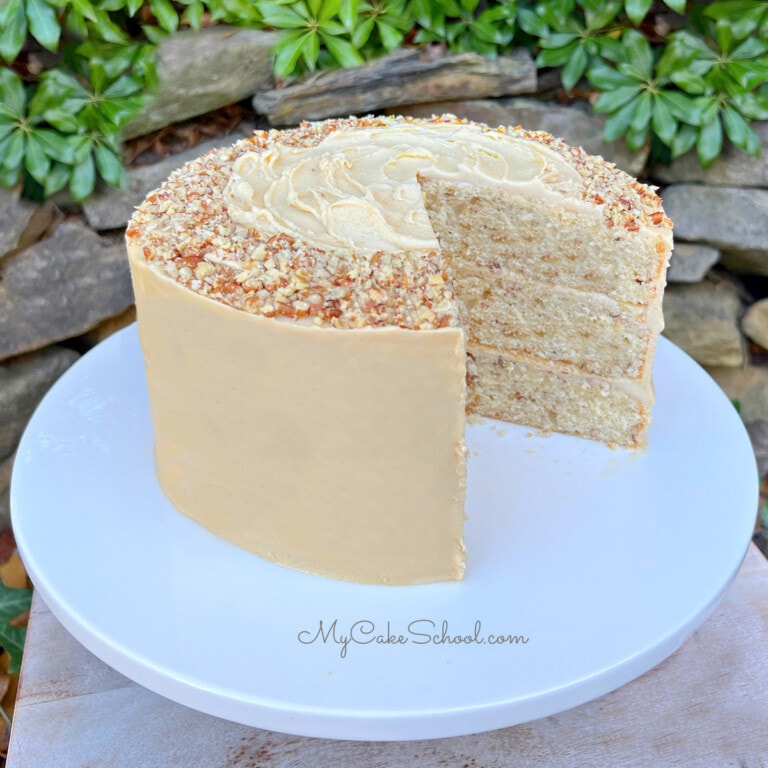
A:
[736,126]
[85,9]
[607,78]
[331,27]
[75,25]
[725,37]
[4,143]
[693,46]
[710,107]
[530,22]
[575,68]
[154,33]
[193,14]
[748,74]
[288,52]
[558,40]
[637,10]
[618,122]
[642,113]
[710,142]
[97,76]
[10,177]
[62,84]
[555,13]
[107,29]
[689,82]
[744,16]
[672,58]
[608,48]
[362,32]
[14,148]
[117,59]
[117,111]
[555,57]
[123,86]
[13,97]
[13,603]
[145,66]
[36,161]
[678,6]
[83,179]
[752,106]
[80,146]
[682,106]
[43,24]
[327,9]
[53,144]
[348,14]
[57,178]
[310,50]
[390,37]
[609,101]
[7,9]
[343,51]
[663,121]
[109,165]
[753,144]
[750,49]
[599,13]
[14,31]
[165,14]
[638,52]
[281,17]
[637,139]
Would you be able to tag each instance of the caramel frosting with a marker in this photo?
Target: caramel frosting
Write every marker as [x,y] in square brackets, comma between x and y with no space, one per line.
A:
[358,188]
[336,452]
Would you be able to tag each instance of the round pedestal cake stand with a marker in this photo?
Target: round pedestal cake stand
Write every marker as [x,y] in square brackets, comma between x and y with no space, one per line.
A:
[587,567]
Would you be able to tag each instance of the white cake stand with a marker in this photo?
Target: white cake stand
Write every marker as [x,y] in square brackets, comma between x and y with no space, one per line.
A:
[588,565]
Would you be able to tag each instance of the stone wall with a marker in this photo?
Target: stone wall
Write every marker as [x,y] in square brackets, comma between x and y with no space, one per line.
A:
[64,282]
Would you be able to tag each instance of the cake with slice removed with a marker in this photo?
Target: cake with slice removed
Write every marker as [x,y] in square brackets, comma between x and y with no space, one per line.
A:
[320,307]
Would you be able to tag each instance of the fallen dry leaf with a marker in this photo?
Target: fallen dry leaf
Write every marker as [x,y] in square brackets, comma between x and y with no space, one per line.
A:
[13,574]
[9,684]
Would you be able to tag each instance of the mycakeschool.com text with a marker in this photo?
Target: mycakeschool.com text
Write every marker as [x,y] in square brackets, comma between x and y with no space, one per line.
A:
[421,632]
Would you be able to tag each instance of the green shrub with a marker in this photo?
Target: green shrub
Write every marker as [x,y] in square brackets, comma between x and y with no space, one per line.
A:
[77,71]
[704,79]
[61,127]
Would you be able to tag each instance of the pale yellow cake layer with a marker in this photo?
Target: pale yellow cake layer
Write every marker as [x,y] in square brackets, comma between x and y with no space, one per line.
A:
[338,452]
[537,395]
[518,236]
[591,332]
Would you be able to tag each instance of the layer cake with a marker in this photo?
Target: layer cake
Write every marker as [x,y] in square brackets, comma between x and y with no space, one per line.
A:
[320,308]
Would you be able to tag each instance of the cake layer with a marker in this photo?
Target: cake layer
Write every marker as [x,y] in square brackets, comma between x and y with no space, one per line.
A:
[338,452]
[591,332]
[519,236]
[544,396]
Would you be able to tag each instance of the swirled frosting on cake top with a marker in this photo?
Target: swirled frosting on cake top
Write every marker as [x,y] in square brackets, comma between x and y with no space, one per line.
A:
[358,188]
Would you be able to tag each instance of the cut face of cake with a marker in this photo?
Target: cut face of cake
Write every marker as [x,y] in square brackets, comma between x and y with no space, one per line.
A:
[320,308]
